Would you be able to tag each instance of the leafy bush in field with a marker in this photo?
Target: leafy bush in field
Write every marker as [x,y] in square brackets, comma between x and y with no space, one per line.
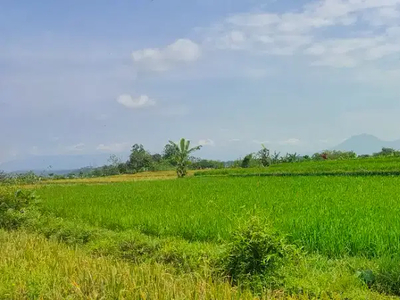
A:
[255,256]
[12,208]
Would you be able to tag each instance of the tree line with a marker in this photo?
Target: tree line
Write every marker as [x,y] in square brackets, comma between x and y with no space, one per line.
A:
[179,157]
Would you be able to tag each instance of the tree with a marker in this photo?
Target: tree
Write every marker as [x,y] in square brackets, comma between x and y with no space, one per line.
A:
[181,153]
[139,159]
[275,157]
[169,153]
[206,164]
[156,157]
[263,156]
[246,161]
[387,152]
[114,160]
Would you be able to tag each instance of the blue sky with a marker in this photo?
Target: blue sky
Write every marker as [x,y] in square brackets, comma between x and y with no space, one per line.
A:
[83,77]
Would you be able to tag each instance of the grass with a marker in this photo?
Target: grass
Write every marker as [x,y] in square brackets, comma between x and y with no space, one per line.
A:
[333,216]
[80,256]
[381,165]
[117,178]
[33,268]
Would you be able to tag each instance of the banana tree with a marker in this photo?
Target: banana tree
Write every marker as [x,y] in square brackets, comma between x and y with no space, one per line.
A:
[181,156]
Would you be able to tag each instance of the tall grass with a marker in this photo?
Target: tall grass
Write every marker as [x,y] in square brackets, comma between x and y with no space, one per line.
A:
[334,216]
[34,268]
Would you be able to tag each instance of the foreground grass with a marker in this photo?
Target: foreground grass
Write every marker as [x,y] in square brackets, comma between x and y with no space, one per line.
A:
[56,258]
[334,216]
[33,268]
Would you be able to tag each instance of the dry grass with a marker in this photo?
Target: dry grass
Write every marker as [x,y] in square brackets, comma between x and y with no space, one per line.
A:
[118,178]
[33,268]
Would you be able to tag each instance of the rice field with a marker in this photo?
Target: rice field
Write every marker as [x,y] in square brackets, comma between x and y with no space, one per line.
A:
[334,216]
[366,166]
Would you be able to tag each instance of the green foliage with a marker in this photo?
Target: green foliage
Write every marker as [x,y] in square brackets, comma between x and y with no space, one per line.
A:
[169,153]
[256,255]
[13,208]
[181,156]
[20,178]
[387,152]
[334,155]
[290,158]
[264,157]
[139,159]
[246,161]
[198,164]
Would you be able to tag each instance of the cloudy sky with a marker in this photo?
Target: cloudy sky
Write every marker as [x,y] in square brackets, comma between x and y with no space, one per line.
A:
[96,76]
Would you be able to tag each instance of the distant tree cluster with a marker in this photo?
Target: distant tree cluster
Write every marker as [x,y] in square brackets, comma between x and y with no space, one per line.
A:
[178,157]
[175,156]
[264,158]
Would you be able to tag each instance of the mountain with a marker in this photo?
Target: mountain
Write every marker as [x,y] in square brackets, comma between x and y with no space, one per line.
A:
[55,162]
[366,144]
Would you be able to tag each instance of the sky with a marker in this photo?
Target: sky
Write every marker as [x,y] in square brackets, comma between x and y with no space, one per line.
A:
[97,76]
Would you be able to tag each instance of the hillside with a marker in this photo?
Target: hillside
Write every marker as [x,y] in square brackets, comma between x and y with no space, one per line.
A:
[366,144]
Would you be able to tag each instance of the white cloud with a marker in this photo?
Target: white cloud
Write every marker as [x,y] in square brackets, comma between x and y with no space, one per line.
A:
[134,103]
[306,32]
[234,140]
[162,59]
[116,147]
[77,147]
[206,142]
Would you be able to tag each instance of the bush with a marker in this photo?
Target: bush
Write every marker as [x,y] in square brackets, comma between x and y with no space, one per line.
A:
[255,256]
[12,208]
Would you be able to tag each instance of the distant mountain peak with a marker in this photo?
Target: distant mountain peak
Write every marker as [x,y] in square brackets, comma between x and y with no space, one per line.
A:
[366,144]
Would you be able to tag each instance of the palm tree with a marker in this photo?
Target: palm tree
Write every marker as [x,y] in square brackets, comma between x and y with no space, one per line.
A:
[181,156]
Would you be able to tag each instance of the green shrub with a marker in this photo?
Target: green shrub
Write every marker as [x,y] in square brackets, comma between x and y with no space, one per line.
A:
[255,256]
[13,208]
